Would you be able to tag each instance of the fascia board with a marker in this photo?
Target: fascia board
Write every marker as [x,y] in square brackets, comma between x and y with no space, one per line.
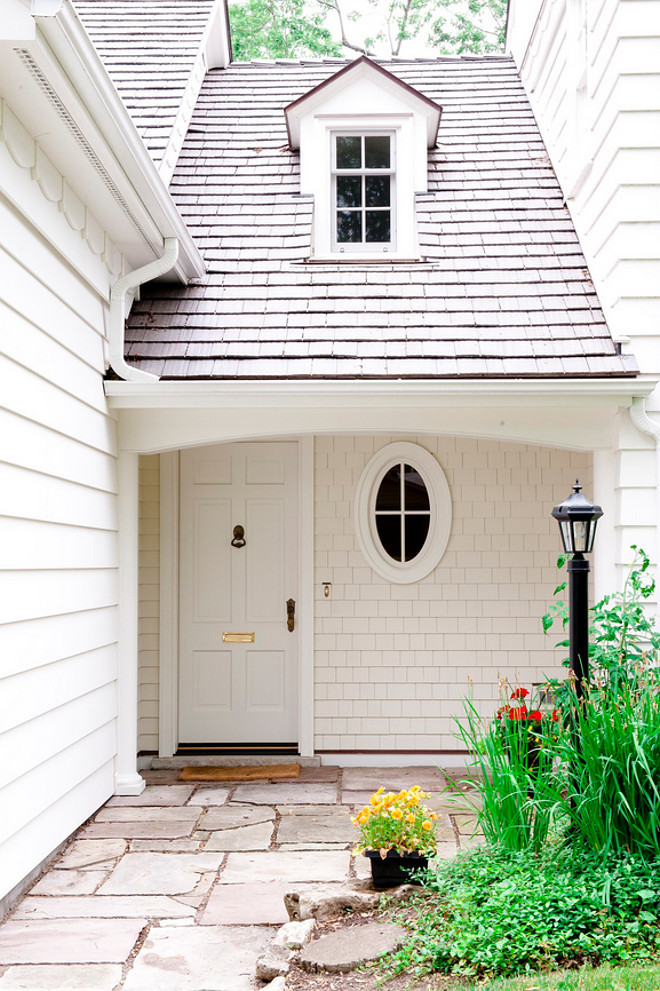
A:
[347,76]
[460,392]
[64,51]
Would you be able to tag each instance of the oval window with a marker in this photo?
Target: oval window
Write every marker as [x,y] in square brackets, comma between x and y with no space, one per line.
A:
[403,512]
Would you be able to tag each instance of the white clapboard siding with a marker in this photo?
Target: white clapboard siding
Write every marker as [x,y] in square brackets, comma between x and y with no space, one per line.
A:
[31,693]
[149,603]
[51,593]
[41,641]
[22,749]
[41,497]
[32,445]
[58,547]
[27,848]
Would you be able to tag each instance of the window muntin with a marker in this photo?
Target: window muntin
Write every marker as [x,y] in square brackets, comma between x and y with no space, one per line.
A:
[363,181]
[403,512]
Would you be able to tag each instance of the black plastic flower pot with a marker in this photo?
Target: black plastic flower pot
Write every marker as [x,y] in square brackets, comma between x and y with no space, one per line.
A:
[395,868]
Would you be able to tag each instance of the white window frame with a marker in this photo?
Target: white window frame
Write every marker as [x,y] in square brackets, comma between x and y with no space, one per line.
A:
[350,247]
[403,572]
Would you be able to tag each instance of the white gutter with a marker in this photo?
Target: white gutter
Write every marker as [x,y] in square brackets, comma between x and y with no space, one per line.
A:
[127,283]
[646,425]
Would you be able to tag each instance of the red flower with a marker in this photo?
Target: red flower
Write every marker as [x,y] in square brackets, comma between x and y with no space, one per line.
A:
[518,713]
[555,715]
[536,716]
[520,693]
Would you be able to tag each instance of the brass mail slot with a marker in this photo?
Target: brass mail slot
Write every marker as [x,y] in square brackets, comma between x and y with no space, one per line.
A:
[238,637]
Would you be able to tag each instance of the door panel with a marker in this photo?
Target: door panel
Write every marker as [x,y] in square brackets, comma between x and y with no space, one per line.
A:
[238,692]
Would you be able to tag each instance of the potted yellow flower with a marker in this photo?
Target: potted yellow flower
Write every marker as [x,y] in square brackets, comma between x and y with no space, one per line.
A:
[397,833]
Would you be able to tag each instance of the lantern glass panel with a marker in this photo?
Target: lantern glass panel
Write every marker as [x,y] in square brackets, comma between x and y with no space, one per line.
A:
[566,535]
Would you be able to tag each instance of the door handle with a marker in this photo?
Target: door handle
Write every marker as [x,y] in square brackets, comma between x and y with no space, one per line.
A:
[290,615]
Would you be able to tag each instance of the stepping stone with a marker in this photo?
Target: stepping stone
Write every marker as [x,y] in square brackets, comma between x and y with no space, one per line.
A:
[130,830]
[156,795]
[71,977]
[233,816]
[86,854]
[347,949]
[215,958]
[159,873]
[322,865]
[252,904]
[102,907]
[286,793]
[68,940]
[256,837]
[183,845]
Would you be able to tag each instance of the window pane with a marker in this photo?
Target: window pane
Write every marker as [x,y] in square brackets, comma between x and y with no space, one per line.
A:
[416,528]
[349,190]
[389,531]
[349,226]
[349,152]
[389,493]
[377,151]
[378,190]
[378,225]
[416,495]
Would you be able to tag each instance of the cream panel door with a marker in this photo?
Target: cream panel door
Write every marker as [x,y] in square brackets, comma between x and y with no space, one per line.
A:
[238,692]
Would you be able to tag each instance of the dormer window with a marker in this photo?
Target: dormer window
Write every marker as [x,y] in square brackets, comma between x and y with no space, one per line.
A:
[363,136]
[363,191]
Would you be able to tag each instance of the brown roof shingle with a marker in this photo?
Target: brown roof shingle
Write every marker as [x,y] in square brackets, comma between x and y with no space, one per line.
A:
[503,289]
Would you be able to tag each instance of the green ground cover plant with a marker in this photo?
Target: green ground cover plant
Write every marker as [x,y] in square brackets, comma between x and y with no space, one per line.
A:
[569,806]
[603,978]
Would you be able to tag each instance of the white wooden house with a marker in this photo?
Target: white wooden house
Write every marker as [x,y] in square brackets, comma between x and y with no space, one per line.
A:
[374,345]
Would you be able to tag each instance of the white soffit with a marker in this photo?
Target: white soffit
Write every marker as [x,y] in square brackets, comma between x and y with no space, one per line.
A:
[361,69]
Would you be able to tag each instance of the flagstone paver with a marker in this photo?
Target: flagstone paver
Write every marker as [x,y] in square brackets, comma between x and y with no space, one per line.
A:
[286,793]
[322,865]
[216,958]
[159,873]
[91,854]
[103,907]
[178,889]
[156,795]
[254,903]
[62,977]
[256,837]
[68,940]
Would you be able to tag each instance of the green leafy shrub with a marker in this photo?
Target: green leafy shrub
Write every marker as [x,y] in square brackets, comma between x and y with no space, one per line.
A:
[493,913]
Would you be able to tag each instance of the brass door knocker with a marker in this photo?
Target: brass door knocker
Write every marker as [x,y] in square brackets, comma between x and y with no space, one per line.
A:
[239,536]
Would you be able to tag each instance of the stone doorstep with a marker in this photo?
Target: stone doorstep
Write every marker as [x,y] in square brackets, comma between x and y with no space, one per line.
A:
[349,948]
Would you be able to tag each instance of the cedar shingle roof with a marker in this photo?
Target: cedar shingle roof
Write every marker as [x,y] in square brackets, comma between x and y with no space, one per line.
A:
[503,291]
[149,48]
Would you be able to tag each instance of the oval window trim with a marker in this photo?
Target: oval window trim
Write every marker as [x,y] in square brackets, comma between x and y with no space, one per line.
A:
[365,516]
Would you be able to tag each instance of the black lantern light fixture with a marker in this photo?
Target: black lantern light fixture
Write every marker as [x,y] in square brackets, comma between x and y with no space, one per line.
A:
[577,518]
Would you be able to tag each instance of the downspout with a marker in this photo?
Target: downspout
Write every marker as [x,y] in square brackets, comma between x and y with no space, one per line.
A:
[646,425]
[131,281]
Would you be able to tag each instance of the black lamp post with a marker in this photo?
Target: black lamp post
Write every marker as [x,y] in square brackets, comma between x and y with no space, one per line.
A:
[577,518]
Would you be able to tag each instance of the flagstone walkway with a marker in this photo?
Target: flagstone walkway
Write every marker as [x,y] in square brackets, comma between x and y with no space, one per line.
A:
[180,888]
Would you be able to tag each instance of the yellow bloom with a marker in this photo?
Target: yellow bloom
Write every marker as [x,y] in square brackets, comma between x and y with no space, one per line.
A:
[397,814]
[410,817]
[427,825]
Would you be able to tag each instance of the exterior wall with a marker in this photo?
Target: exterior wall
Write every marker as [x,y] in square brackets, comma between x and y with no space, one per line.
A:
[593,76]
[149,608]
[392,662]
[58,558]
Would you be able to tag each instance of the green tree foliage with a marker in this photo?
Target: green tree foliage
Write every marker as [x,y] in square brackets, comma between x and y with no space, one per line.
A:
[297,28]
[475,28]
[279,29]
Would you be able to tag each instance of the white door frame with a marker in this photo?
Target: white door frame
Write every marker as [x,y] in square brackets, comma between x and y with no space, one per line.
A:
[168,695]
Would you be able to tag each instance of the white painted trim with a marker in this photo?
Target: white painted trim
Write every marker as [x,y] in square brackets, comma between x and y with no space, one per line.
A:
[127,779]
[168,624]
[306,594]
[440,513]
[454,392]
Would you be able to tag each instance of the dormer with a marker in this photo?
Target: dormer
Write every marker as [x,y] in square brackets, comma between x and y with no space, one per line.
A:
[363,137]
